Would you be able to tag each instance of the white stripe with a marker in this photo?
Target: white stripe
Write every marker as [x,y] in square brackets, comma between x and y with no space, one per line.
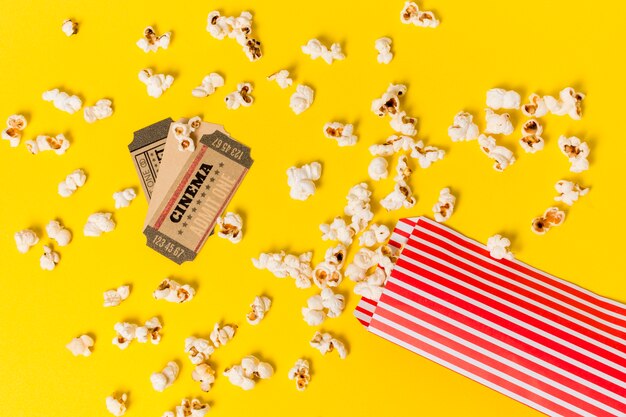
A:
[542,283]
[464,372]
[364,305]
[363,317]
[500,343]
[483,366]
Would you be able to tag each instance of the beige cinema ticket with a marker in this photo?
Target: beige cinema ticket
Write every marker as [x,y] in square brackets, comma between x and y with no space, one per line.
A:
[203,188]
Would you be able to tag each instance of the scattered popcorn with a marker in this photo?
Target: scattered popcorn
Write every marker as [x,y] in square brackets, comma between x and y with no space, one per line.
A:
[325,342]
[499,98]
[358,208]
[301,99]
[383,46]
[222,335]
[374,235]
[151,42]
[569,102]
[403,172]
[342,133]
[116,405]
[114,297]
[426,155]
[240,98]
[205,375]
[69,27]
[498,123]
[81,346]
[389,103]
[25,239]
[238,28]
[231,225]
[156,83]
[198,350]
[71,183]
[531,140]
[552,217]
[326,304]
[327,274]
[404,124]
[576,151]
[165,378]
[284,265]
[101,110]
[387,257]
[301,374]
[444,208]
[13,133]
[209,84]
[569,192]
[315,49]
[463,128]
[49,259]
[401,196]
[498,247]
[362,262]
[246,374]
[392,145]
[63,101]
[336,256]
[149,331]
[98,223]
[412,14]
[172,291]
[59,233]
[536,107]
[377,168]
[302,180]
[182,133]
[124,197]
[502,156]
[259,307]
[282,78]
[125,333]
[338,230]
[59,144]
[371,286]
[189,408]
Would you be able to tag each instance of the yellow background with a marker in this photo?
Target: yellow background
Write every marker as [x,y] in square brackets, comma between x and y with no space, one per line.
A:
[539,45]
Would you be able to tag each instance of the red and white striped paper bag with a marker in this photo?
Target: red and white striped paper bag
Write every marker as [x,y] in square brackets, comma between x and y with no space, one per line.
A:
[538,339]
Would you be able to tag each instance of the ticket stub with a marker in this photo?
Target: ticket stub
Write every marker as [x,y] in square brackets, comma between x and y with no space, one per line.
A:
[146,149]
[202,190]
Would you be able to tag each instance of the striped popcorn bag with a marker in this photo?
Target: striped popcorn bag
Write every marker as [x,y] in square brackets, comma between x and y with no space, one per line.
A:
[538,339]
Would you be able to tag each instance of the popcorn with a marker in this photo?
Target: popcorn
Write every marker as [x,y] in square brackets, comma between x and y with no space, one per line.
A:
[59,144]
[238,28]
[498,123]
[124,197]
[404,124]
[301,374]
[463,128]
[392,145]
[315,49]
[412,14]
[401,196]
[377,168]
[69,27]
[13,133]
[250,370]
[531,140]
[25,239]
[189,408]
[301,99]
[101,110]
[336,256]
[362,262]
[114,297]
[284,265]
[326,274]
[387,257]
[116,405]
[325,342]
[326,304]
[389,103]
[98,223]
[371,286]
[552,217]
[59,233]
[172,291]
[222,335]
[498,247]
[569,102]
[151,42]
[403,172]
[230,227]
[165,378]
[374,235]
[127,332]
[63,101]
[282,78]
[182,133]
[342,133]
[338,230]
[536,107]
[302,180]
[72,182]
[576,151]
[569,192]
[209,84]
[81,346]
[241,97]
[426,155]
[259,307]
[358,208]
[502,156]
[383,46]
[198,350]
[156,84]
[49,259]
[205,375]
[444,208]
[499,98]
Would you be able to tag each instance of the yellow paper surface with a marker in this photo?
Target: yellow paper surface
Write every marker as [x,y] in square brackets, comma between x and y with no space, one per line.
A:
[535,46]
